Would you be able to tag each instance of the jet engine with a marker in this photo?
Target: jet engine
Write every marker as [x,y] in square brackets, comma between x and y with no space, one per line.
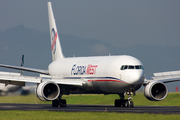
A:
[47,91]
[155,91]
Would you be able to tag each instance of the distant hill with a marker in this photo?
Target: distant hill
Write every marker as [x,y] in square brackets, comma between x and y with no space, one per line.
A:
[35,45]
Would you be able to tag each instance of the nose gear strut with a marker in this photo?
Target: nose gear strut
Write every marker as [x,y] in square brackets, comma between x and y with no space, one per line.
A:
[122,102]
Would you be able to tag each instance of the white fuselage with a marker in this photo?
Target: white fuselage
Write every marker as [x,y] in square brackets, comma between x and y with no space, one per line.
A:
[102,74]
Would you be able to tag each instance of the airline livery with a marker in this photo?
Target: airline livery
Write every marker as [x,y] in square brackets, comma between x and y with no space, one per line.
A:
[122,75]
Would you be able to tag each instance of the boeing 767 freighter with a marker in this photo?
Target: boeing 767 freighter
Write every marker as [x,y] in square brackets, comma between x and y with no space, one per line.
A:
[122,75]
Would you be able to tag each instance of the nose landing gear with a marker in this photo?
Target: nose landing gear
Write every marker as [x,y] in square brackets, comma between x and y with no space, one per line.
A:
[124,102]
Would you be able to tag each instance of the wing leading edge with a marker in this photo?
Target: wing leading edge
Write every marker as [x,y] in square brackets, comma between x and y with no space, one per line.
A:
[26,69]
[165,77]
[17,79]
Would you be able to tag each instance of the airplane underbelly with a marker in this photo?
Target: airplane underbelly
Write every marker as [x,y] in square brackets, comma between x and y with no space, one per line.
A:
[111,87]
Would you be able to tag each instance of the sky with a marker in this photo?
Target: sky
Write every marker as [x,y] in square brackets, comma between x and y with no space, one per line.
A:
[122,23]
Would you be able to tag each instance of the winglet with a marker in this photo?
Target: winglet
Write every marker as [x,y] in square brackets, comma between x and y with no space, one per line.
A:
[22,64]
[55,41]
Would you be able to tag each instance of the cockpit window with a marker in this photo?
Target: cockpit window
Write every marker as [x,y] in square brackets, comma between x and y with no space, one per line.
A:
[124,67]
[139,67]
[131,67]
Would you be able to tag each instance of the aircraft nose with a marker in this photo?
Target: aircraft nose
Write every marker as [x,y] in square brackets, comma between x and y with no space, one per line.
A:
[136,76]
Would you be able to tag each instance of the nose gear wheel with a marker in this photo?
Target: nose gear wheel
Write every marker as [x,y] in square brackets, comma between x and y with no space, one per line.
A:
[124,102]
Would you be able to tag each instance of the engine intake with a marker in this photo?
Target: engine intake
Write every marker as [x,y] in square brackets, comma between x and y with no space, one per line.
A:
[47,91]
[155,91]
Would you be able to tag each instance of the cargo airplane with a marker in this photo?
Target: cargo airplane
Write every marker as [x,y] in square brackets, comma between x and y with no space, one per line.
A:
[122,75]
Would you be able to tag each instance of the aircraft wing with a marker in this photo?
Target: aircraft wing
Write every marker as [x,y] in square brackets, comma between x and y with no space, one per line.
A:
[63,81]
[25,69]
[165,77]
[17,79]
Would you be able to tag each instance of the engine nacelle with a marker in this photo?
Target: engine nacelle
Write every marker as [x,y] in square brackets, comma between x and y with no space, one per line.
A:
[47,91]
[155,91]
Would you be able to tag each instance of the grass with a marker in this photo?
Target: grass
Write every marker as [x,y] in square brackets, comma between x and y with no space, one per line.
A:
[48,115]
[171,100]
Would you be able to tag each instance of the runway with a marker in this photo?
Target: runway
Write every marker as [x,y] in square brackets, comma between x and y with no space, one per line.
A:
[94,108]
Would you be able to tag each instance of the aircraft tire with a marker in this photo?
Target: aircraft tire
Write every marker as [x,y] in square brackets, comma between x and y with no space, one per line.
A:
[126,103]
[63,103]
[55,103]
[131,104]
[117,103]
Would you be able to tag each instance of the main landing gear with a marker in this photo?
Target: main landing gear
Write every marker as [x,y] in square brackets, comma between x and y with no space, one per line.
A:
[124,102]
[59,101]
